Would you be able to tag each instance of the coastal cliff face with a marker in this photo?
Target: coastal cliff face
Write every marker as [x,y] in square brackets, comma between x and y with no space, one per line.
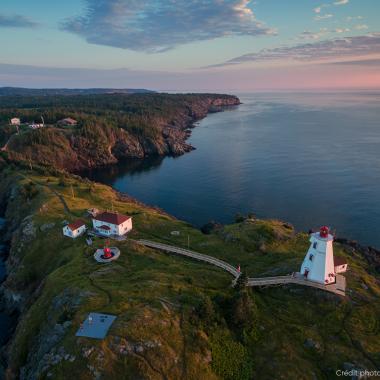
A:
[104,141]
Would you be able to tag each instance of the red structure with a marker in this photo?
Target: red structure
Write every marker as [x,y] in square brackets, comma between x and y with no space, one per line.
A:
[324,232]
[107,253]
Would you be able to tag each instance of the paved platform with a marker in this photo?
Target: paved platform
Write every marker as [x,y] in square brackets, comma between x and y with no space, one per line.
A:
[96,325]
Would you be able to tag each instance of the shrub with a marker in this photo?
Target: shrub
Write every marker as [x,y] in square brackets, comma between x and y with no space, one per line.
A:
[239,218]
[210,227]
[29,190]
[61,182]
[230,359]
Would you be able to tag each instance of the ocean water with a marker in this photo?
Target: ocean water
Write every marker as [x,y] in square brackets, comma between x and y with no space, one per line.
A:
[308,158]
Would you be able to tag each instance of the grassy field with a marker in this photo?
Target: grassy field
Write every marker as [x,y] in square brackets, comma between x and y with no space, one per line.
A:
[176,318]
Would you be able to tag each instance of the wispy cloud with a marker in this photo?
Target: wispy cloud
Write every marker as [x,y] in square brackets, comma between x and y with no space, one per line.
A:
[159,25]
[323,17]
[16,21]
[352,18]
[341,30]
[320,7]
[328,50]
[361,27]
[309,35]
[360,62]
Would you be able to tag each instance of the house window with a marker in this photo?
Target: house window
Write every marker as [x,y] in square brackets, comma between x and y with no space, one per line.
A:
[311,257]
[315,245]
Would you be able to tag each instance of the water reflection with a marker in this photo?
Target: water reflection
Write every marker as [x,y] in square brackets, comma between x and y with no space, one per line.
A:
[131,167]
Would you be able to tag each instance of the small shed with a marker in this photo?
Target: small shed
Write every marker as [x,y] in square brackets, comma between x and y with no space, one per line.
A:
[75,229]
[340,264]
[96,326]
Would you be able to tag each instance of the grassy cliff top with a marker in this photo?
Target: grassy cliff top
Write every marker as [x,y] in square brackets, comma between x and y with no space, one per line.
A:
[176,318]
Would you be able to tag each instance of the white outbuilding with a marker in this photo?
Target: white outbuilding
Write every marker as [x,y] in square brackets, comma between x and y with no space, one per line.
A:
[319,264]
[340,264]
[112,224]
[74,229]
[15,121]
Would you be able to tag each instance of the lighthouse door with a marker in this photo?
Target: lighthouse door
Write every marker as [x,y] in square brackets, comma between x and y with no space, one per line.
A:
[306,273]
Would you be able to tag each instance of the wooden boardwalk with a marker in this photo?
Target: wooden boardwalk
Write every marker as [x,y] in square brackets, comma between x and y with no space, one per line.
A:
[295,278]
[195,255]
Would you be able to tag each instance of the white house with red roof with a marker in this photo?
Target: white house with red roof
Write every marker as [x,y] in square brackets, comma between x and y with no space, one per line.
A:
[112,223]
[319,264]
[74,229]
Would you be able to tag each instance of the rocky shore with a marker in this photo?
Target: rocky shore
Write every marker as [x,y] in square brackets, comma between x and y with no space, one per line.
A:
[371,254]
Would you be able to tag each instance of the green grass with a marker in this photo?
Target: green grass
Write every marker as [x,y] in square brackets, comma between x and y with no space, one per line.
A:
[156,296]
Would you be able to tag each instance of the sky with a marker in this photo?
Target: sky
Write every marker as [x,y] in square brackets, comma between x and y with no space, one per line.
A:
[191,45]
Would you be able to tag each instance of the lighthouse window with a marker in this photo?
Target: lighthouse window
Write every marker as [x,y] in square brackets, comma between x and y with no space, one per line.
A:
[311,257]
[315,245]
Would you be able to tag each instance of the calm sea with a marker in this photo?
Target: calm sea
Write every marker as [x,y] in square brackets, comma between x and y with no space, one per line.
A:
[307,158]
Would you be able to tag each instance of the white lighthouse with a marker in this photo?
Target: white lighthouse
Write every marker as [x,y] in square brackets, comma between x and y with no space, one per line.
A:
[318,264]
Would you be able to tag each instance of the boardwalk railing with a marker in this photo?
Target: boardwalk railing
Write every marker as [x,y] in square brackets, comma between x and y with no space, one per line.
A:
[294,278]
[195,255]
[262,281]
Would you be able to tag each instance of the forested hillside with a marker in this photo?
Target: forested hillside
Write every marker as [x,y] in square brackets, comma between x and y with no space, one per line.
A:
[110,127]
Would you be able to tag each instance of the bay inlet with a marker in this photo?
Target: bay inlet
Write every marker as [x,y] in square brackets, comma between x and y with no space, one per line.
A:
[307,158]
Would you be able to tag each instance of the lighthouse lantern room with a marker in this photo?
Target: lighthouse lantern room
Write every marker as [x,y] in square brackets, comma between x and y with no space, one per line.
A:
[318,264]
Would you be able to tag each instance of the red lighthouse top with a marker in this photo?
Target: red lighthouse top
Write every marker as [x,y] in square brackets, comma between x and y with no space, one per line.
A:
[324,232]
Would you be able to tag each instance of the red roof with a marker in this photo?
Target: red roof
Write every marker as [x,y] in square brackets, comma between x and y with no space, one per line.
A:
[338,261]
[104,228]
[112,218]
[76,224]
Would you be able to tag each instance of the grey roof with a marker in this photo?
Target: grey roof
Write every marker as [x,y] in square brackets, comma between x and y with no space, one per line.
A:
[96,325]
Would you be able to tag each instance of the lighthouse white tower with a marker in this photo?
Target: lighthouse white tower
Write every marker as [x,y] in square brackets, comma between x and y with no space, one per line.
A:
[318,264]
